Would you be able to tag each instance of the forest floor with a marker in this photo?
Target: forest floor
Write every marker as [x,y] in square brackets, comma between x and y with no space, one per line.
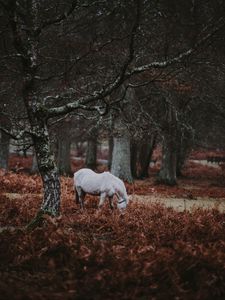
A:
[170,244]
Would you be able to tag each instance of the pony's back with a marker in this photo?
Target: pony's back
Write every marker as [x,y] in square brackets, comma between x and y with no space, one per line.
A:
[80,174]
[97,183]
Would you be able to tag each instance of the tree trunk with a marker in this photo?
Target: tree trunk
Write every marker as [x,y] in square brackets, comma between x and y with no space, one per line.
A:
[183,147]
[63,155]
[181,155]
[92,146]
[27,46]
[4,150]
[48,171]
[145,155]
[110,142]
[42,146]
[134,159]
[121,158]
[91,154]
[167,174]
[34,168]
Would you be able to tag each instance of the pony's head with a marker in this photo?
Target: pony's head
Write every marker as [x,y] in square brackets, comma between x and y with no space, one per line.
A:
[122,202]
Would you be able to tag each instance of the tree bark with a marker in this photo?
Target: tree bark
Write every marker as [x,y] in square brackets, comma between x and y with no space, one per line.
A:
[110,142]
[4,150]
[91,151]
[34,168]
[91,154]
[134,159]
[47,169]
[183,147]
[145,155]
[121,158]
[63,155]
[27,46]
[181,155]
[167,174]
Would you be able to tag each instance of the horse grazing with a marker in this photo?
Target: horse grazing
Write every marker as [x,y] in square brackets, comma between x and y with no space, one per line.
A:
[104,184]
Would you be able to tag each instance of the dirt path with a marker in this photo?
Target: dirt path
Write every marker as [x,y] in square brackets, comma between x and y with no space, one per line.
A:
[179,204]
[182,204]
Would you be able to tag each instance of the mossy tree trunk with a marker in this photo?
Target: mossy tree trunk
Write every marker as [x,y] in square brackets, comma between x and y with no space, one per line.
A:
[28,47]
[46,165]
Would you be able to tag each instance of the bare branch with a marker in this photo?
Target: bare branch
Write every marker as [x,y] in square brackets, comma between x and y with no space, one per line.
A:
[57,20]
[107,90]
[16,55]
[15,136]
[124,74]
[179,58]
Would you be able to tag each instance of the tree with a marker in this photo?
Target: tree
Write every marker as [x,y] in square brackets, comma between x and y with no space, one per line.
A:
[121,156]
[145,155]
[62,136]
[168,169]
[28,28]
[63,158]
[121,152]
[31,24]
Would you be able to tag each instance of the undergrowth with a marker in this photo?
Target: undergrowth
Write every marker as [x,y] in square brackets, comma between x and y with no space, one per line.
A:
[150,252]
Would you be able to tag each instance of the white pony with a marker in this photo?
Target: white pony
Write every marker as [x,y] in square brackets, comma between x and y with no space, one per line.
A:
[104,184]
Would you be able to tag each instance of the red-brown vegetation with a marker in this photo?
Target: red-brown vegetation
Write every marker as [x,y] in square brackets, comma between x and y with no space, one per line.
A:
[151,252]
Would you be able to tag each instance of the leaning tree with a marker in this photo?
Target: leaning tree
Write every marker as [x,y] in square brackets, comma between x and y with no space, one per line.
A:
[68,56]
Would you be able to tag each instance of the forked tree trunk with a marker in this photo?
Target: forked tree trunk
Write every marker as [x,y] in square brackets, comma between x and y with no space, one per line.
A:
[4,150]
[27,46]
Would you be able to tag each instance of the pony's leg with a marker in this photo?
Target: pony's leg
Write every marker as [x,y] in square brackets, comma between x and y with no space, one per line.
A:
[77,196]
[102,199]
[111,202]
[81,196]
[82,199]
